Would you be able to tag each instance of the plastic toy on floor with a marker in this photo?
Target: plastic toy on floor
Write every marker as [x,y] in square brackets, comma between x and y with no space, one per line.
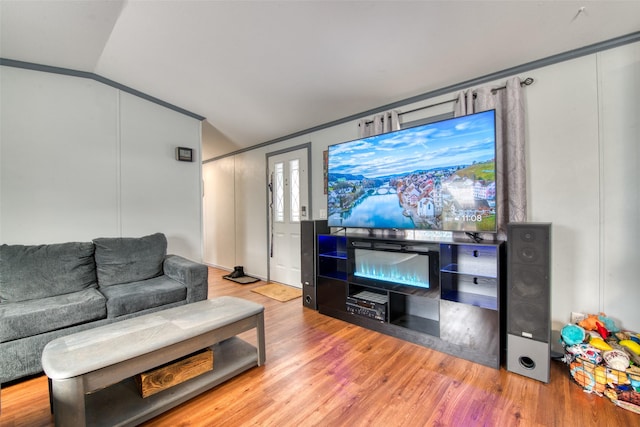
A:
[604,359]
[572,334]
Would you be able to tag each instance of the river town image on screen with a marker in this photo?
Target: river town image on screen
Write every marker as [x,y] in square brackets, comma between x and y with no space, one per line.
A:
[439,176]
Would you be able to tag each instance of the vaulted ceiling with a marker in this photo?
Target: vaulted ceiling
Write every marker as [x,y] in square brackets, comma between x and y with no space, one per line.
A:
[260,70]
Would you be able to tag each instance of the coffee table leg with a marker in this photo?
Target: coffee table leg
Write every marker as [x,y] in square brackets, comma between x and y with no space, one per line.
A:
[50,395]
[68,402]
[261,339]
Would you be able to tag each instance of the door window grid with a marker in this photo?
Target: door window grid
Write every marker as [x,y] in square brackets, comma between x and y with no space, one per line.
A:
[279,192]
[294,188]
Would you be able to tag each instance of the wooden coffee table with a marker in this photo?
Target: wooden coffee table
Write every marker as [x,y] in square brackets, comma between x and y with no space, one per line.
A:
[91,372]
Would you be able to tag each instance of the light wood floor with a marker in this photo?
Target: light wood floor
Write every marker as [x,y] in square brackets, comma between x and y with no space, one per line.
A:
[325,372]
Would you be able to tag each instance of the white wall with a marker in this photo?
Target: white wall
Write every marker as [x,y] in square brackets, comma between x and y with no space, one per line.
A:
[219,213]
[582,171]
[563,178]
[80,160]
[57,134]
[583,136]
[619,109]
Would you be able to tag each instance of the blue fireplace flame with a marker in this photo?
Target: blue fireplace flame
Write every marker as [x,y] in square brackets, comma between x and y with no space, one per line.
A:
[398,268]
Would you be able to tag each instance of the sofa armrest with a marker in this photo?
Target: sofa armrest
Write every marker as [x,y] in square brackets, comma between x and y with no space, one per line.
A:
[191,274]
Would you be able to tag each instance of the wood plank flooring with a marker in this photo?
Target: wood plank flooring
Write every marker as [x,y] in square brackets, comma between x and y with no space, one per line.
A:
[325,372]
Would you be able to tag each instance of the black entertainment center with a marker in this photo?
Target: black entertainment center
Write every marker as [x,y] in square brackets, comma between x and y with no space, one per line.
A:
[410,247]
[440,176]
[446,296]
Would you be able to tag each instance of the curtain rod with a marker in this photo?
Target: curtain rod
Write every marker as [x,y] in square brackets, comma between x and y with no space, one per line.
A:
[526,82]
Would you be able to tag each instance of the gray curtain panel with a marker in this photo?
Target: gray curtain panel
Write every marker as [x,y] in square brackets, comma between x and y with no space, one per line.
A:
[510,150]
[381,123]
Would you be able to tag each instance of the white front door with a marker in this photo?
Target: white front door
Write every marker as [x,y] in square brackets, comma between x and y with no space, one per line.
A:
[289,204]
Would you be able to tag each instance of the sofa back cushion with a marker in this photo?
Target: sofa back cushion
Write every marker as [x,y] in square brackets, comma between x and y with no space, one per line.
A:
[40,271]
[129,259]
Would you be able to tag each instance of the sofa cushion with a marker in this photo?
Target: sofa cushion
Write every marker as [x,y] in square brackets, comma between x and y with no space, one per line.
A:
[137,296]
[129,259]
[32,272]
[27,318]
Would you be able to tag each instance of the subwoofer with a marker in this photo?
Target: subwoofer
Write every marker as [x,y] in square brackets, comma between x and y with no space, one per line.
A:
[528,302]
[309,231]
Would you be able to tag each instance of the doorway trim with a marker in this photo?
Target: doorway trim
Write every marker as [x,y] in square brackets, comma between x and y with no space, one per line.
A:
[307,147]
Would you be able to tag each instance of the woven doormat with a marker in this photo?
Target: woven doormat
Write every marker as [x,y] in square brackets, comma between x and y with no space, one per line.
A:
[278,292]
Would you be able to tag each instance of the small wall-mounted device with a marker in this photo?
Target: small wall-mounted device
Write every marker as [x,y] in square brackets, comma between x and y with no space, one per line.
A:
[184,154]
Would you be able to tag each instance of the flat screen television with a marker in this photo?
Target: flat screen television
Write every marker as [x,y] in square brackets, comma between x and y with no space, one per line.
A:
[437,176]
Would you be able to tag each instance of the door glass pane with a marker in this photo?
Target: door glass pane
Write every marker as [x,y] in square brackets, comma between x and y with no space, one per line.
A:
[279,193]
[294,171]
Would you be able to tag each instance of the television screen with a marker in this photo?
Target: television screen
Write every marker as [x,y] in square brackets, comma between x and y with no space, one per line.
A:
[438,176]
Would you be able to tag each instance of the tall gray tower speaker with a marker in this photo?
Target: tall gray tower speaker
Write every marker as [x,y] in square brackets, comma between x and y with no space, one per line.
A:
[529,299]
[309,231]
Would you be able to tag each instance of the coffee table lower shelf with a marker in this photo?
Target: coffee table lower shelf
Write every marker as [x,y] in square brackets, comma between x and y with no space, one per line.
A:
[122,405]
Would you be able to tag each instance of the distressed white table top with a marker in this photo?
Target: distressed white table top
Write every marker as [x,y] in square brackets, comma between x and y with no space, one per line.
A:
[96,348]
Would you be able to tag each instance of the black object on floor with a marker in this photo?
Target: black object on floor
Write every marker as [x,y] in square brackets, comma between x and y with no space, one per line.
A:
[238,271]
[243,280]
[238,276]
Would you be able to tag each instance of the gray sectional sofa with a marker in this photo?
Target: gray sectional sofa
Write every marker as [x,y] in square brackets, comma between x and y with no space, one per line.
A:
[47,291]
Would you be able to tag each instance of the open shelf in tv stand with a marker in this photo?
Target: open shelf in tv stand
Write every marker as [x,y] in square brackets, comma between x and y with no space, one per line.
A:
[459,313]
